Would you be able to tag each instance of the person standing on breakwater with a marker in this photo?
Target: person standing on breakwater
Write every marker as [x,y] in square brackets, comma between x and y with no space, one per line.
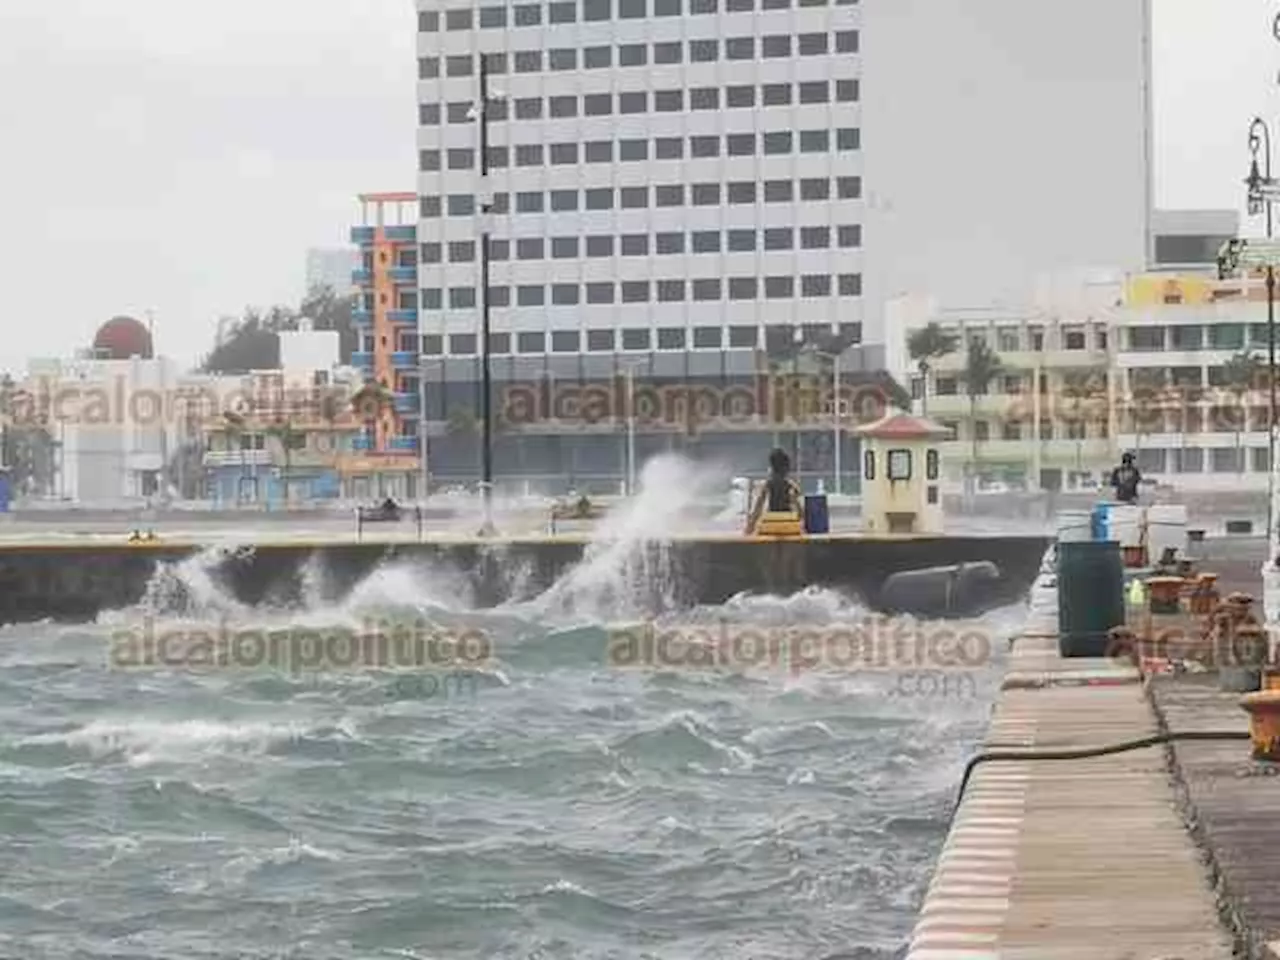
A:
[1125,479]
[776,510]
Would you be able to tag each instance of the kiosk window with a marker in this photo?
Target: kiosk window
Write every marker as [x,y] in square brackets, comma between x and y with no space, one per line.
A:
[899,466]
[869,465]
[931,465]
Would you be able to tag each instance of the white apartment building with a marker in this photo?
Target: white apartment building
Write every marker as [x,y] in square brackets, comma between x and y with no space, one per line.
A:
[1137,362]
[671,176]
[1047,419]
[113,423]
[1191,423]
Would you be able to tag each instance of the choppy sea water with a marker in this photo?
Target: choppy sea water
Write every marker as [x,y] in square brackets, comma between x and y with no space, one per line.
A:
[546,803]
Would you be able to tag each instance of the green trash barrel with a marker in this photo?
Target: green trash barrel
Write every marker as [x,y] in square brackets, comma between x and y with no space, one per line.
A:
[1090,596]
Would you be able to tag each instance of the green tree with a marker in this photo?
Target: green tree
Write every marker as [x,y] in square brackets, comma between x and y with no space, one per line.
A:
[1083,401]
[925,345]
[234,427]
[981,366]
[27,447]
[1240,374]
[285,434]
[252,342]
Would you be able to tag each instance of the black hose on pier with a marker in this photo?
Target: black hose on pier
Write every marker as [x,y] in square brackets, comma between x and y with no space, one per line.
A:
[1084,753]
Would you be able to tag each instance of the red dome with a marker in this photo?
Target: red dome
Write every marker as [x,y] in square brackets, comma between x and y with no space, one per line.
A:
[121,338]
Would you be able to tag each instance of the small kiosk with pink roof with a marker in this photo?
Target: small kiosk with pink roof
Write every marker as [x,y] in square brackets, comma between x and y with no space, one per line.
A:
[902,475]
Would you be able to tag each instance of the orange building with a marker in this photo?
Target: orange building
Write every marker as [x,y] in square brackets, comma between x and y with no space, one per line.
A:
[386,459]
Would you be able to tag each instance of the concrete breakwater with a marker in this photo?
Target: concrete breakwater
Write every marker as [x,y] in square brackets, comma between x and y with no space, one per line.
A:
[75,582]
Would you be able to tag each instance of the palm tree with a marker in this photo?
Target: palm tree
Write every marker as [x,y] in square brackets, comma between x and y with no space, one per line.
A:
[1081,390]
[285,434]
[1239,374]
[981,366]
[235,429]
[1146,387]
[330,411]
[925,345]
[369,402]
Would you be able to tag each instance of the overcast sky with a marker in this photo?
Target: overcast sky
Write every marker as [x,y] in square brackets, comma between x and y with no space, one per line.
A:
[180,157]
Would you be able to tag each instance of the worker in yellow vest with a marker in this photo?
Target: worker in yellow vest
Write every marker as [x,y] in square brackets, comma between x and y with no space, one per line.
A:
[777,509]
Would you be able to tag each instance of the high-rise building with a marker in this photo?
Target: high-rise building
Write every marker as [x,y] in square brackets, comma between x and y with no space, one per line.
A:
[676,197]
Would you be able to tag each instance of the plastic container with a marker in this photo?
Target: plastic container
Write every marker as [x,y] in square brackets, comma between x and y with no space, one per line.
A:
[1091,599]
[1099,522]
[817,519]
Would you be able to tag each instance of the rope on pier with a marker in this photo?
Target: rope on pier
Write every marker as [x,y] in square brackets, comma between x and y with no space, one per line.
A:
[1084,753]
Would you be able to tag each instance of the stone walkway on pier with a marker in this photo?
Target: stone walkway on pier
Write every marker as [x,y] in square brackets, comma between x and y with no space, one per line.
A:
[1071,860]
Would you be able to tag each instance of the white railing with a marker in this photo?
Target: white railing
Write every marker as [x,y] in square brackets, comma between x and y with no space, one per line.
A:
[237,458]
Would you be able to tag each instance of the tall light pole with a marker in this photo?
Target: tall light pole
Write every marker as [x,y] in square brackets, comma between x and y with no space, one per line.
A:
[797,347]
[424,469]
[837,416]
[1260,197]
[480,113]
[630,368]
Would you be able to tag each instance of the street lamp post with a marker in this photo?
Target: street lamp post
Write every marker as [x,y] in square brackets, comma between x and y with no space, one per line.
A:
[1260,189]
[481,115]
[837,410]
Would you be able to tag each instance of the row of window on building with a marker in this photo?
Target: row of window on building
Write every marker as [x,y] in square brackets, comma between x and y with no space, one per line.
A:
[775,46]
[500,16]
[1066,428]
[777,143]
[627,339]
[664,195]
[735,96]
[1154,339]
[1199,460]
[1217,336]
[607,292]
[644,245]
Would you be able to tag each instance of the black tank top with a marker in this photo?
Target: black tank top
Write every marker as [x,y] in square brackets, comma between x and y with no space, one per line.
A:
[779,494]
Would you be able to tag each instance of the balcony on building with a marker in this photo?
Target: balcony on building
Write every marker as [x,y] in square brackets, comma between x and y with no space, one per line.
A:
[237,458]
[362,359]
[407,403]
[403,315]
[394,213]
[361,277]
[361,316]
[404,360]
[362,441]
[404,274]
[403,444]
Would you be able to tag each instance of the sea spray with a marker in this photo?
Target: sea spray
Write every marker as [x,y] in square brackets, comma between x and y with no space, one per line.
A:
[190,587]
[627,569]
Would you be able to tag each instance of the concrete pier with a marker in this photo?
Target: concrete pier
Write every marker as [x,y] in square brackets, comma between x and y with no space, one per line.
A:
[1153,854]
[76,581]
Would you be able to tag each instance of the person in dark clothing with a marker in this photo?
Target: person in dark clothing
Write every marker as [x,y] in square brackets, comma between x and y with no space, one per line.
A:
[779,493]
[1125,480]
